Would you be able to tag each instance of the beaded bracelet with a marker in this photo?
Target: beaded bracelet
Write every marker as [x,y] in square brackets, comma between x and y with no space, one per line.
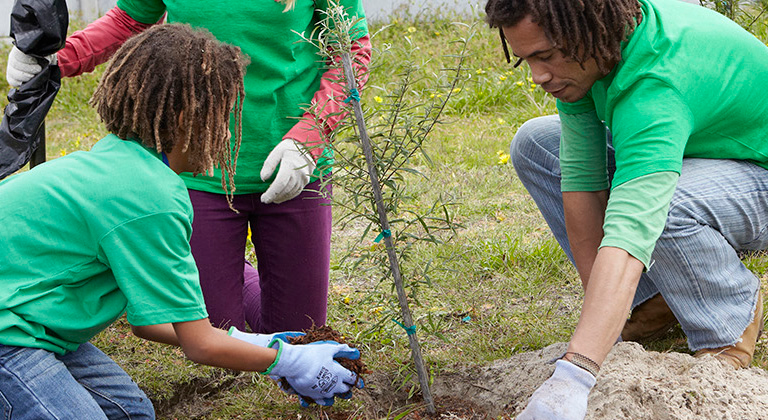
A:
[583,362]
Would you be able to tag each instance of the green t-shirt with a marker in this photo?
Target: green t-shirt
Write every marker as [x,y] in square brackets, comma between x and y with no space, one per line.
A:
[283,75]
[90,236]
[690,84]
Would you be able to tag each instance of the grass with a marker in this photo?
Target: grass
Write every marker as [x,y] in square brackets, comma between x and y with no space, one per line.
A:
[500,286]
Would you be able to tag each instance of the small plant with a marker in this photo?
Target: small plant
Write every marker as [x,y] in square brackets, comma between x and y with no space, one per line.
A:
[374,150]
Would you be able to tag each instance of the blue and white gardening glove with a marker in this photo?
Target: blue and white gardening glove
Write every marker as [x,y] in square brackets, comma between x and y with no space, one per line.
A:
[23,67]
[296,166]
[262,340]
[561,397]
[312,372]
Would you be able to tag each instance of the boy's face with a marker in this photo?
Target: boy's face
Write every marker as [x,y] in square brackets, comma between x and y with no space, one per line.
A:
[565,79]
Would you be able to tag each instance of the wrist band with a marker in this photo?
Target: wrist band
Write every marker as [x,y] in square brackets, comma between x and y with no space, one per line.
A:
[583,362]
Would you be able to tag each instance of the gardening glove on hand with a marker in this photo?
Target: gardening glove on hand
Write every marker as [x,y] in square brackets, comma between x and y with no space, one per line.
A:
[311,371]
[262,340]
[23,67]
[296,166]
[561,397]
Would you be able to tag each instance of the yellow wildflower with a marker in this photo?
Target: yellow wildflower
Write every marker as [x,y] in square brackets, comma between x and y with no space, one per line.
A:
[456,90]
[503,157]
[378,99]
[480,71]
[519,83]
[501,121]
[63,152]
[411,29]
[533,85]
[502,78]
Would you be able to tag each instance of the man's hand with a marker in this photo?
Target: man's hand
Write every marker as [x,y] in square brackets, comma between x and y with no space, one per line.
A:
[23,67]
[296,166]
[312,372]
[262,340]
[563,396]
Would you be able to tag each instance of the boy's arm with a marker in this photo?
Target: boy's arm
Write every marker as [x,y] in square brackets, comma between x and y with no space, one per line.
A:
[160,333]
[202,343]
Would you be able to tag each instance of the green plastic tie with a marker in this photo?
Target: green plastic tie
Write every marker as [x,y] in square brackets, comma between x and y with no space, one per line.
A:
[408,330]
[386,233]
[353,94]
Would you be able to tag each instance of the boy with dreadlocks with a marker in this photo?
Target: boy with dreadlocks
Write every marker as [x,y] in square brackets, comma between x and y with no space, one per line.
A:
[653,178]
[110,235]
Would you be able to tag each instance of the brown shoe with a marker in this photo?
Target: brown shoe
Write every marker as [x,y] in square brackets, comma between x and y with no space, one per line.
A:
[740,354]
[649,320]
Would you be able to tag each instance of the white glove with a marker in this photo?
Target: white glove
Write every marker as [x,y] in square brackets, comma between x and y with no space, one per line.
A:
[262,340]
[561,397]
[22,67]
[311,371]
[296,166]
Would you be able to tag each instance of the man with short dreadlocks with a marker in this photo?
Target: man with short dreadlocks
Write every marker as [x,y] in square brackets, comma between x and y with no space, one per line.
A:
[109,235]
[653,177]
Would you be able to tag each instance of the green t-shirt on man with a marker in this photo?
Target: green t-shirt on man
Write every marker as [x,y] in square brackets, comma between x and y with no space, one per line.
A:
[691,83]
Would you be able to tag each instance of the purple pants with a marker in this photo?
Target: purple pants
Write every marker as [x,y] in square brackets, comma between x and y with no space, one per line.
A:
[289,291]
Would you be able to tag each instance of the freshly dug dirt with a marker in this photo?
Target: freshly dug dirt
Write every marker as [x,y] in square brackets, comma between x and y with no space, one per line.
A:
[633,385]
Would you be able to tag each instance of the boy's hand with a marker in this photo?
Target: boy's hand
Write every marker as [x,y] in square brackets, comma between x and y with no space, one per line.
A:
[311,371]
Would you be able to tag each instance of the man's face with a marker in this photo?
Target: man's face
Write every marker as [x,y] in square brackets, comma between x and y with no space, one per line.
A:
[565,79]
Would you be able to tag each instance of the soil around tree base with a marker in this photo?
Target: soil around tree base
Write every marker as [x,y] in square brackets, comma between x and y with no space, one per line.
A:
[633,385]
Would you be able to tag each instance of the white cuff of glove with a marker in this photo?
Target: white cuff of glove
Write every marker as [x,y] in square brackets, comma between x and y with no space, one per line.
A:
[253,338]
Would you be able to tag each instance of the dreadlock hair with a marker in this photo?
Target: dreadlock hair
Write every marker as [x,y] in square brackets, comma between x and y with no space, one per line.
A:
[173,86]
[581,29]
[289,4]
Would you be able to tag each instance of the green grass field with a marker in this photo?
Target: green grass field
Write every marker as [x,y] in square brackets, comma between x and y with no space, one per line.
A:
[499,286]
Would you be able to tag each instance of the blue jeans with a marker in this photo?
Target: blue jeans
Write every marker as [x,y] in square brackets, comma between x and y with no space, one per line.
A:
[719,209]
[85,384]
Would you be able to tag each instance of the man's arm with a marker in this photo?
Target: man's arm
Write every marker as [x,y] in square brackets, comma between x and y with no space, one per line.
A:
[612,283]
[584,215]
[609,276]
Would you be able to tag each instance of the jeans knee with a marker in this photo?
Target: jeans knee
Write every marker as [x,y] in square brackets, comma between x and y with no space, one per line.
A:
[537,141]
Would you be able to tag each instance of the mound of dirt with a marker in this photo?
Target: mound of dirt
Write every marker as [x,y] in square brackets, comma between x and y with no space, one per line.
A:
[633,384]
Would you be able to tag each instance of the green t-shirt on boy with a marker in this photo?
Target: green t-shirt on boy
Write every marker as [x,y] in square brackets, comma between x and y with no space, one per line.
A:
[90,236]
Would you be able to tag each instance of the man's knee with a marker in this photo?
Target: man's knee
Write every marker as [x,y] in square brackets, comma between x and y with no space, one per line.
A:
[533,137]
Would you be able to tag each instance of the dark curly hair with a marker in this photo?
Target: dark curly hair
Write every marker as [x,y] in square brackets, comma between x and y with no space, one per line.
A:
[173,86]
[581,29]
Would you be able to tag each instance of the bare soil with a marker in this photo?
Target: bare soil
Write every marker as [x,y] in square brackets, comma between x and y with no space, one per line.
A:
[633,385]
